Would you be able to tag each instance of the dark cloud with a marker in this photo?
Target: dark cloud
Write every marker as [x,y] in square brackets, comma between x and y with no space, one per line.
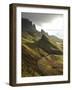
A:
[39,18]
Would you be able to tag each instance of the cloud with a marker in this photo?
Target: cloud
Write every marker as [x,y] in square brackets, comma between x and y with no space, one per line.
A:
[51,23]
[55,24]
[39,18]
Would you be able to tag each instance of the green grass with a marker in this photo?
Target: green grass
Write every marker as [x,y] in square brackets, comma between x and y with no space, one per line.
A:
[36,61]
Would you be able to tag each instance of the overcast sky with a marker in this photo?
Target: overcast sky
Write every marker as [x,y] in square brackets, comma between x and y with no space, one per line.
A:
[51,23]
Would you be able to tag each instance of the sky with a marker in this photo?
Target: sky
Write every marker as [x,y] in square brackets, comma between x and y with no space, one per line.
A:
[53,24]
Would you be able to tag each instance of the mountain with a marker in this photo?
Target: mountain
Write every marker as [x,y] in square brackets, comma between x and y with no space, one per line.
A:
[42,54]
[30,28]
[27,26]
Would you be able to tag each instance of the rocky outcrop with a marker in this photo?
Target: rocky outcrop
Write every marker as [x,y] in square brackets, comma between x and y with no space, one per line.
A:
[44,33]
[27,26]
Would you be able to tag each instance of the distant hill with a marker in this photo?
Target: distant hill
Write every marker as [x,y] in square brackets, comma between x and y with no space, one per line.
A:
[56,39]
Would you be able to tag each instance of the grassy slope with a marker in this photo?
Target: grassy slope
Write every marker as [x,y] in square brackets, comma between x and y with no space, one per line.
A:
[36,61]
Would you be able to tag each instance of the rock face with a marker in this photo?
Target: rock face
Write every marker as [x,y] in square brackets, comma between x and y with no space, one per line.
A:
[27,26]
[44,33]
[34,27]
[44,38]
